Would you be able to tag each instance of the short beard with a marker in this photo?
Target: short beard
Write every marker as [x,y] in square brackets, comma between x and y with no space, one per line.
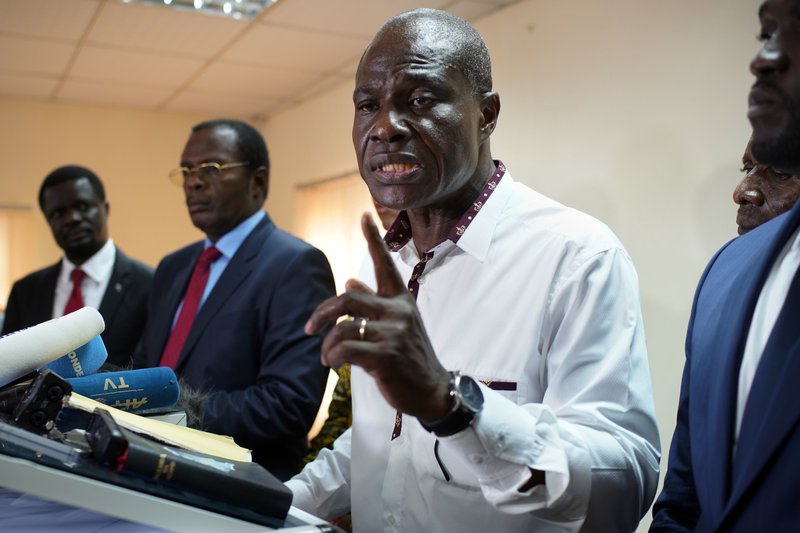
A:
[83,252]
[783,151]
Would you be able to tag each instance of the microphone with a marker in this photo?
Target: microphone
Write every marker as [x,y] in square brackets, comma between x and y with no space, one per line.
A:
[82,361]
[131,390]
[24,351]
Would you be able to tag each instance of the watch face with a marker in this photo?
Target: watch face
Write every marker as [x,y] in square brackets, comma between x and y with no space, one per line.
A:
[470,393]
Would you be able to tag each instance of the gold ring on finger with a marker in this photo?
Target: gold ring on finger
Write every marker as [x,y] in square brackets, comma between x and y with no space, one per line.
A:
[362,329]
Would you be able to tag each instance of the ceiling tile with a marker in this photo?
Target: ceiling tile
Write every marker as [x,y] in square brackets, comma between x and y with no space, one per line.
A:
[26,86]
[312,51]
[255,81]
[112,94]
[158,70]
[318,86]
[26,55]
[146,27]
[142,56]
[213,104]
[52,19]
[344,17]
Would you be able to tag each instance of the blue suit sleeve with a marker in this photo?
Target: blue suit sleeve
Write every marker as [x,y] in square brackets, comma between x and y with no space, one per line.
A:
[677,507]
[285,395]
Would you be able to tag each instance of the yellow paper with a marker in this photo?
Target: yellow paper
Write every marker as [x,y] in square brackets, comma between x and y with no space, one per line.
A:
[191,439]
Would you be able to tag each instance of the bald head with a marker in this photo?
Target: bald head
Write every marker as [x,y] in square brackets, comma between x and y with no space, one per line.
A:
[446,33]
[424,112]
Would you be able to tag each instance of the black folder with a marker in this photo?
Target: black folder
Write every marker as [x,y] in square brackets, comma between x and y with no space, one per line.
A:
[254,495]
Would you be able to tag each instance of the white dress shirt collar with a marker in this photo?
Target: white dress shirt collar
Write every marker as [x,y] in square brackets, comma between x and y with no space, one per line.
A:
[98,267]
[98,270]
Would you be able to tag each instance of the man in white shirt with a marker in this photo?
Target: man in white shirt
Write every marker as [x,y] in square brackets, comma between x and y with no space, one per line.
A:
[92,272]
[500,378]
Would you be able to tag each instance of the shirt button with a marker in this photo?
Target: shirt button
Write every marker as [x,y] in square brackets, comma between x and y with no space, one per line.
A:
[475,458]
[390,519]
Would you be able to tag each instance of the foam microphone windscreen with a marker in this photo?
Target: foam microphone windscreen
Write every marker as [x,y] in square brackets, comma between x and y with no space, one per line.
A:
[24,351]
[131,390]
[82,361]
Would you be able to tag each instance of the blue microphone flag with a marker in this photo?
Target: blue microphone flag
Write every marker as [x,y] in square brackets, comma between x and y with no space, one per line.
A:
[131,390]
[82,361]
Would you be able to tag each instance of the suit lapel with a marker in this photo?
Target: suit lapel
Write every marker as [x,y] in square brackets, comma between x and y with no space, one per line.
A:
[729,308]
[771,410]
[237,271]
[175,292]
[117,284]
[43,301]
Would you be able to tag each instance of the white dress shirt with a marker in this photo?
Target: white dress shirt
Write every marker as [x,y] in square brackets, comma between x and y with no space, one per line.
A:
[541,301]
[769,305]
[98,269]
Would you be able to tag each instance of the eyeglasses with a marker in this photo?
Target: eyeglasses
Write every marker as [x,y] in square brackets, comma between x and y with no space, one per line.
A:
[204,173]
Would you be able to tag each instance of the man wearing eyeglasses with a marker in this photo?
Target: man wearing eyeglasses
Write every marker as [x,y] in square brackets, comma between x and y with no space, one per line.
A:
[93,271]
[227,313]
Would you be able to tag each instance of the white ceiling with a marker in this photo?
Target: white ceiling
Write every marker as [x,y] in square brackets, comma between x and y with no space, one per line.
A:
[130,55]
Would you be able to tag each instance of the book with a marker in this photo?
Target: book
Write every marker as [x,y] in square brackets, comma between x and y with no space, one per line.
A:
[244,484]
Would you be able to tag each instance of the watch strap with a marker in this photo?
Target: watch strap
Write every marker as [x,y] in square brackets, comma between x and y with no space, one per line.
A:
[459,417]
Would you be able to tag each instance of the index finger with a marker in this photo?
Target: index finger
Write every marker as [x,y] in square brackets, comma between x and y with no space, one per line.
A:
[387,278]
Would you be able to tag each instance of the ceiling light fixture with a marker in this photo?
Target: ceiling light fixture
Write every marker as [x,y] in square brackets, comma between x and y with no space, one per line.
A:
[237,9]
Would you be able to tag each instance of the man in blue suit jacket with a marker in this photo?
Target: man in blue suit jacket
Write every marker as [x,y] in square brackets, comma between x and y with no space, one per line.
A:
[735,454]
[246,351]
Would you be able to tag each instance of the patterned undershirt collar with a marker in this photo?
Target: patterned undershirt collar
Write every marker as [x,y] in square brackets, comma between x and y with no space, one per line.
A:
[400,232]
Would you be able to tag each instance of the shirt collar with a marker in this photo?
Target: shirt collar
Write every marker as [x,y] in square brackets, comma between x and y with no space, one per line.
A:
[229,243]
[97,267]
[473,232]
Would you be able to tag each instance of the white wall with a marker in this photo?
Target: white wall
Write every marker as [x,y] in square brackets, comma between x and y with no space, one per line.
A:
[632,110]
[130,150]
[307,144]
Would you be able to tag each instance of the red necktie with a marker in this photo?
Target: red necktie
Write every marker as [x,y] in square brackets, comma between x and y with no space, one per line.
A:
[191,301]
[75,301]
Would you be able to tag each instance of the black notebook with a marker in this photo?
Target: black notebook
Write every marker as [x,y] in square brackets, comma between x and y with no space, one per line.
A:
[241,490]
[247,485]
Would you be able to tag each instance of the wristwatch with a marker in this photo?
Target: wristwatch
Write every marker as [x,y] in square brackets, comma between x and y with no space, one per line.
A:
[467,402]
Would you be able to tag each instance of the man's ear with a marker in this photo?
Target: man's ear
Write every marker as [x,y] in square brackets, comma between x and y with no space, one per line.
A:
[261,181]
[490,109]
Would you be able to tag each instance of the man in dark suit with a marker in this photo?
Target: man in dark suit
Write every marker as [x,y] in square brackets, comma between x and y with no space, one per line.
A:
[735,454]
[763,193]
[92,272]
[230,322]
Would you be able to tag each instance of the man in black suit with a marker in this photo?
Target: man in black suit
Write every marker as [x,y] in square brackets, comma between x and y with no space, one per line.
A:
[92,272]
[227,313]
